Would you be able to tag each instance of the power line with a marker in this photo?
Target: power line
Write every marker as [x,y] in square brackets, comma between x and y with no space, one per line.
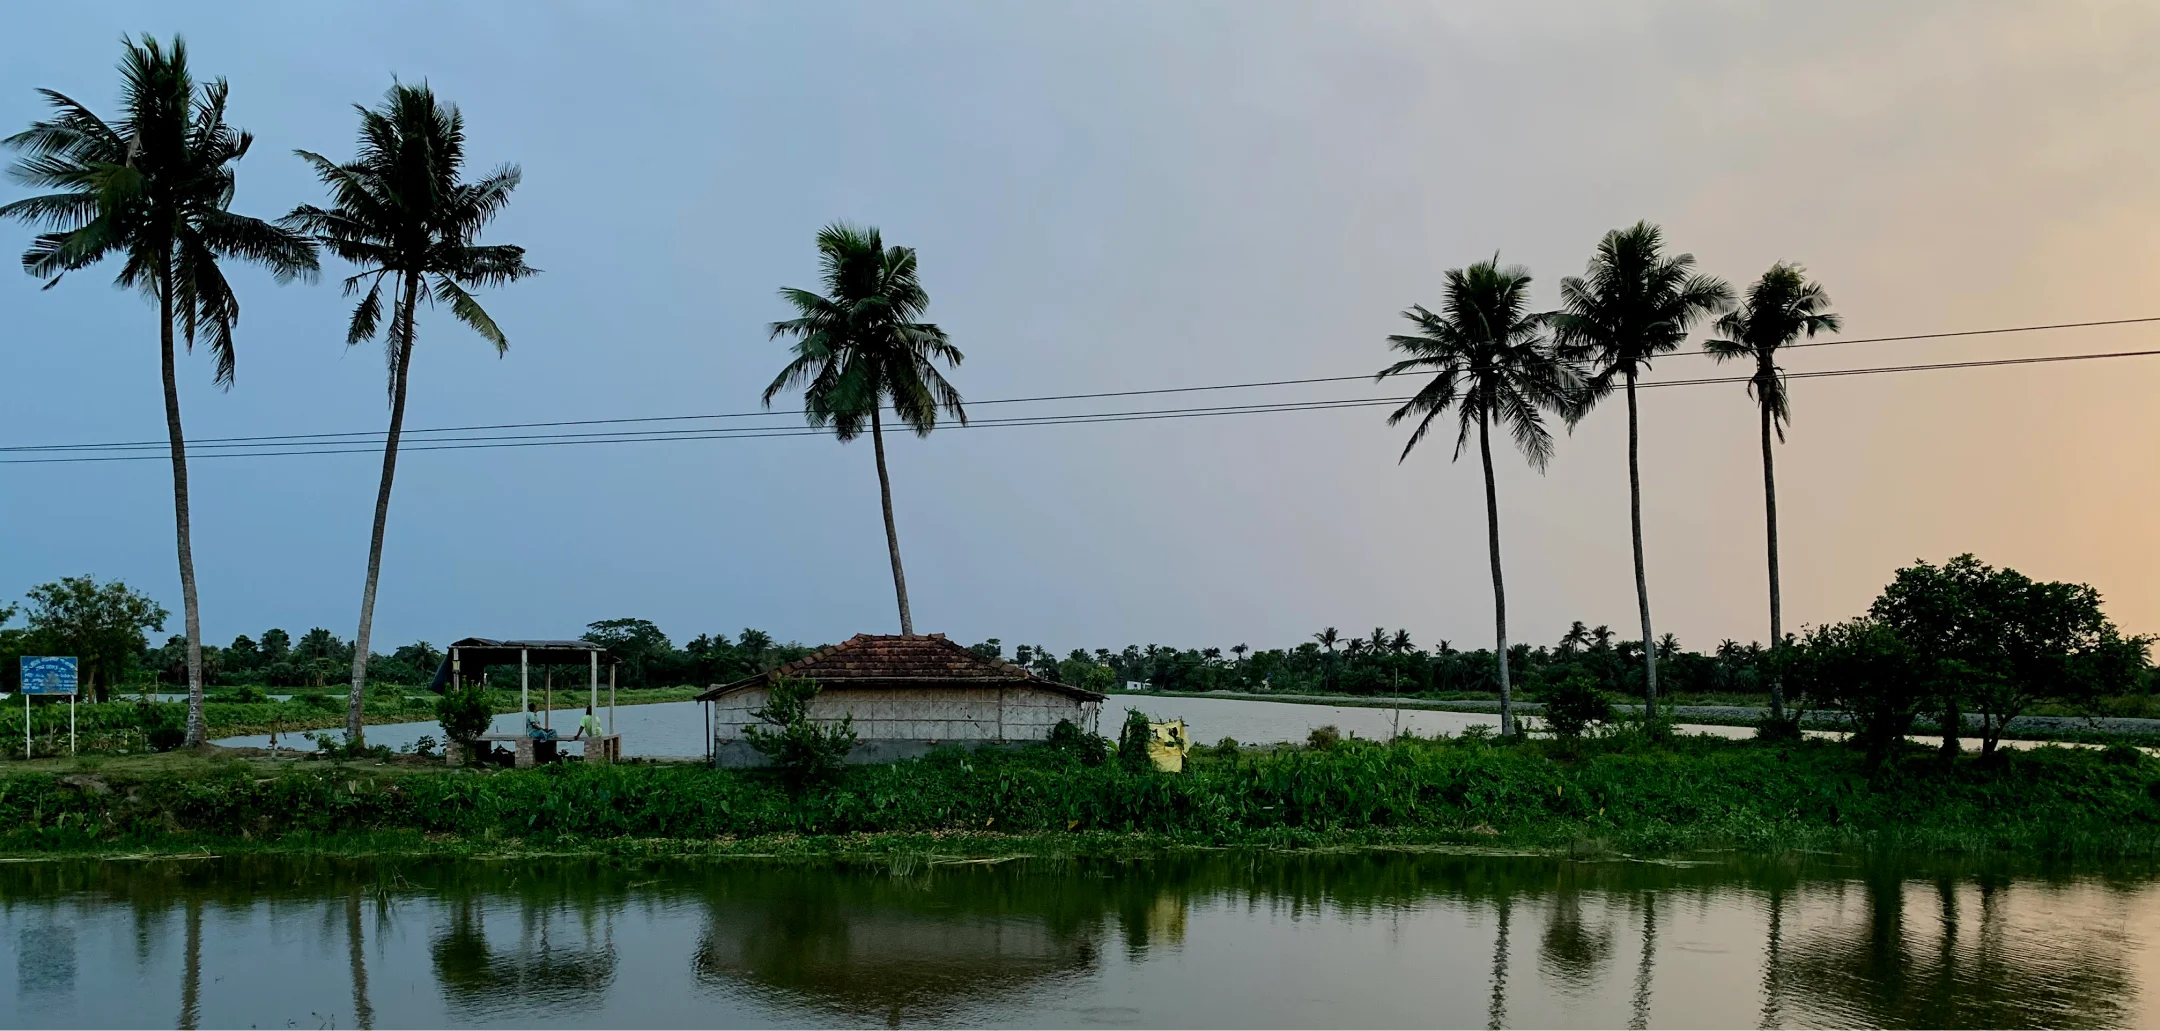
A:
[1089,418]
[377,437]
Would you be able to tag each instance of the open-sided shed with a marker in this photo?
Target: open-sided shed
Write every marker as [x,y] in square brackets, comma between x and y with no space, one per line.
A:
[906,695]
[471,657]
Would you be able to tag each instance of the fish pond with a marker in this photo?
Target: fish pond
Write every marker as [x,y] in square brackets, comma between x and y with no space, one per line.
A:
[1200,939]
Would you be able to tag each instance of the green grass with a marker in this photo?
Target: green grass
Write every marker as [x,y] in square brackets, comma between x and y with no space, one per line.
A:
[1623,795]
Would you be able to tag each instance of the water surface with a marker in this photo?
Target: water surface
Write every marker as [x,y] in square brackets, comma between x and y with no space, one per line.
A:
[1222,939]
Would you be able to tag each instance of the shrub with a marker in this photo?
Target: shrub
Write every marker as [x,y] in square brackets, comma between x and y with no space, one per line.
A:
[1069,738]
[1574,703]
[1228,748]
[803,750]
[464,713]
[164,737]
[247,694]
[2121,755]
[1323,737]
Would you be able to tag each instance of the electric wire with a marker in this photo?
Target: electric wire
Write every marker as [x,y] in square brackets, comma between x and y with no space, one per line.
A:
[377,437]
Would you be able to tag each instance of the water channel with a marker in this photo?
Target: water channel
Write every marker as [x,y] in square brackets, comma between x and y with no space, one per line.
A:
[1382,939]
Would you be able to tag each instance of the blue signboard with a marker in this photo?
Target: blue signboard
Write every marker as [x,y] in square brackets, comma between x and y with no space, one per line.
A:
[48,674]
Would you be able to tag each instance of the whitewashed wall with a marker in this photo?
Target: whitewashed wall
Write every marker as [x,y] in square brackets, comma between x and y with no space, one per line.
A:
[919,714]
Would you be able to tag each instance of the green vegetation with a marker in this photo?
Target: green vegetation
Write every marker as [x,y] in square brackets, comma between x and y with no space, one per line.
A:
[804,751]
[1613,792]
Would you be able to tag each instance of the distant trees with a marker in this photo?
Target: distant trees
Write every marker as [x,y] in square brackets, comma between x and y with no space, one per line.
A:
[154,186]
[104,626]
[403,212]
[1491,363]
[860,348]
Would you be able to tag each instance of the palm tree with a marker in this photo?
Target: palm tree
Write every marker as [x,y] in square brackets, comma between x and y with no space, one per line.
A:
[401,212]
[859,348]
[1239,650]
[1601,637]
[155,186]
[1491,363]
[1780,307]
[1328,638]
[1632,304]
[1400,643]
[1576,639]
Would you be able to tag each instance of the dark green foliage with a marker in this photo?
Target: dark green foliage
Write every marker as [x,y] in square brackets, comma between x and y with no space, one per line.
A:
[464,712]
[1089,749]
[1133,740]
[1998,641]
[1323,738]
[805,751]
[1574,703]
[164,737]
[1693,793]
[1869,671]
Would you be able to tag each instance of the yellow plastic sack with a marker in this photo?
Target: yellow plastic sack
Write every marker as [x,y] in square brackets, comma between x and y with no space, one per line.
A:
[1167,745]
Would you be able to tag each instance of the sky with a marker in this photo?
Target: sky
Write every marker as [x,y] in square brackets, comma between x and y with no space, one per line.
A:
[1119,196]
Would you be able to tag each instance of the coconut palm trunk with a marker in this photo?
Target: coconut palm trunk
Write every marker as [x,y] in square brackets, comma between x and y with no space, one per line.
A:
[892,534]
[1642,583]
[1777,625]
[1499,589]
[197,728]
[355,724]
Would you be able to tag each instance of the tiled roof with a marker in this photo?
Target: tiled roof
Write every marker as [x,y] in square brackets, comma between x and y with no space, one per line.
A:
[882,660]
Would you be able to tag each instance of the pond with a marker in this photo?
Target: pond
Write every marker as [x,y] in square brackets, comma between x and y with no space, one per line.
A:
[1373,939]
[677,728]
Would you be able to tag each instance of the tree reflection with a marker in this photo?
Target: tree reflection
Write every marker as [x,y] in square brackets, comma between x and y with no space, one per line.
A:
[1954,974]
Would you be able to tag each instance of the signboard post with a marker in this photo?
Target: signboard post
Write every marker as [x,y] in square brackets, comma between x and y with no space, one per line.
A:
[48,674]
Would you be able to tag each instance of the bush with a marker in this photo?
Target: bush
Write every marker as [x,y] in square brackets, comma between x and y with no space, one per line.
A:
[1574,703]
[246,694]
[1228,748]
[1089,748]
[804,751]
[2121,755]
[164,737]
[464,713]
[1323,737]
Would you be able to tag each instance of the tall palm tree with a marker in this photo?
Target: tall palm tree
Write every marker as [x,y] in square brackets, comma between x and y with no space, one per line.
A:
[1492,363]
[401,212]
[1328,638]
[1400,643]
[1634,303]
[1780,307]
[155,187]
[859,348]
[1576,639]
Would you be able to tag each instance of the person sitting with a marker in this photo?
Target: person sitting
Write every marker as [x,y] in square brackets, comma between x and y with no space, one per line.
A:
[533,729]
[589,726]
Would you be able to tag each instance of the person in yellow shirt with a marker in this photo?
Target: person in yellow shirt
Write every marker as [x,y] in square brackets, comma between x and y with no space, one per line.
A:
[590,725]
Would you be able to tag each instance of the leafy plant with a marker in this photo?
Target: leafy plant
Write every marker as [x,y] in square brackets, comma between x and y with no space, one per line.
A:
[805,751]
[1133,737]
[464,713]
[1573,703]
[1067,737]
[1323,737]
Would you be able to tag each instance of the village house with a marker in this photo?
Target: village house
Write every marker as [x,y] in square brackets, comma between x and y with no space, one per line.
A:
[906,695]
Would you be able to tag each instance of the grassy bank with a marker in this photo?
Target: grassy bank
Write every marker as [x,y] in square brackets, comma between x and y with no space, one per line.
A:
[1624,795]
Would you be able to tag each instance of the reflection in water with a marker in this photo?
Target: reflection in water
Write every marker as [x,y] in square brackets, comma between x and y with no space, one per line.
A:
[1356,939]
[2053,966]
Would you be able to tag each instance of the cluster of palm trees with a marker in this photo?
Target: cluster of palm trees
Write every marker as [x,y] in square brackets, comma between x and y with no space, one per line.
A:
[1496,360]
[154,186]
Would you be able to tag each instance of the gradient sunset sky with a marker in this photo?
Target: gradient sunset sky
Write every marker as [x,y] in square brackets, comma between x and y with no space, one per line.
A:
[1130,195]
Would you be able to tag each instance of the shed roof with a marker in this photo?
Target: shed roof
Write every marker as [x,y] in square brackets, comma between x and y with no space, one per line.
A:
[478,653]
[891,660]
